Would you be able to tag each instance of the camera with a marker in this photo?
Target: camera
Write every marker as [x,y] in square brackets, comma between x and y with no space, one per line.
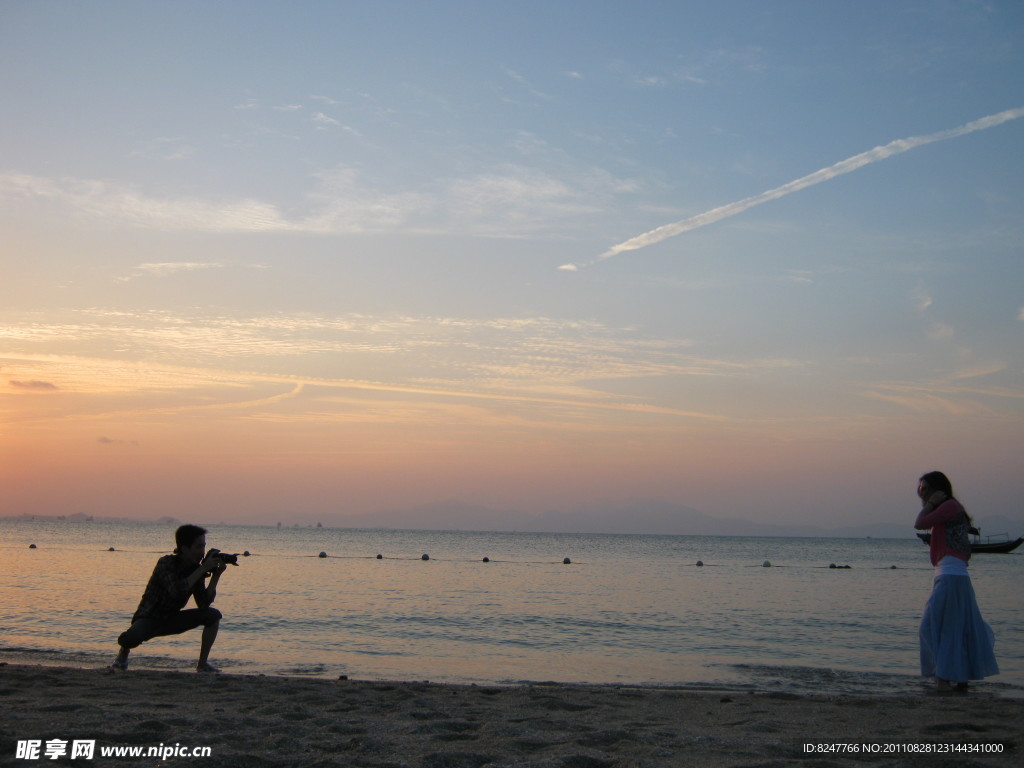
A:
[224,557]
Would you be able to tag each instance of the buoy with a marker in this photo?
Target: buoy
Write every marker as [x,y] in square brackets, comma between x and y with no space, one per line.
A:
[246,553]
[111,549]
[700,563]
[566,561]
[380,557]
[831,565]
[31,546]
[487,559]
[425,556]
[323,554]
[766,564]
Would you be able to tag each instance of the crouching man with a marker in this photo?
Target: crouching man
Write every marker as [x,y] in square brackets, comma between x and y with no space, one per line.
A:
[176,578]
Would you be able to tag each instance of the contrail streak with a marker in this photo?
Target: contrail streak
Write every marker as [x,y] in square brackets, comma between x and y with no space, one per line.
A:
[843,166]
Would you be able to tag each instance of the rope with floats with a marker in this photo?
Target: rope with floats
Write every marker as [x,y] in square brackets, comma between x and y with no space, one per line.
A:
[425,557]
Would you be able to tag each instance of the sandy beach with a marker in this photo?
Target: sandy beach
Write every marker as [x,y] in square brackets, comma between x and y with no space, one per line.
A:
[266,722]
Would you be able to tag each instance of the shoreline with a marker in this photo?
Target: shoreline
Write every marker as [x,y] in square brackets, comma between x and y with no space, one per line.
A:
[739,678]
[278,722]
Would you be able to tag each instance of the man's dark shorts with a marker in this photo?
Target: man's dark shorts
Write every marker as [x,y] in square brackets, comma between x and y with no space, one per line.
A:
[146,629]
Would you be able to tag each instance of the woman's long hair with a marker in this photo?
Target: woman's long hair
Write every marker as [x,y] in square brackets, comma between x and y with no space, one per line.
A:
[937,481]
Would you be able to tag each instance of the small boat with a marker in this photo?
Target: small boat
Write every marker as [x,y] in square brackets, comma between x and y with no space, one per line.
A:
[998,544]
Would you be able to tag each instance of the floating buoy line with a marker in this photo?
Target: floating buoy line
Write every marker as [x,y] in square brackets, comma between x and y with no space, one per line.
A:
[325,556]
[565,561]
[425,557]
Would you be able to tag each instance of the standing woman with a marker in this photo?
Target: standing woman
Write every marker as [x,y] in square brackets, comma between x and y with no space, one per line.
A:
[956,643]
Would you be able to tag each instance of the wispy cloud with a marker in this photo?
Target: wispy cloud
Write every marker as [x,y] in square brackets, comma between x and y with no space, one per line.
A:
[164,148]
[324,122]
[848,165]
[799,276]
[167,268]
[955,395]
[920,400]
[326,100]
[508,200]
[184,389]
[979,370]
[35,386]
[111,441]
[126,204]
[922,299]
[528,359]
[516,199]
[518,78]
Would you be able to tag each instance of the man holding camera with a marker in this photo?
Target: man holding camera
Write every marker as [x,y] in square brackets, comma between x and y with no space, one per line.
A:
[176,578]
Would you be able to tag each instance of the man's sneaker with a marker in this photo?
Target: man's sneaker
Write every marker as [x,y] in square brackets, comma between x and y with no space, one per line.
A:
[119,666]
[207,669]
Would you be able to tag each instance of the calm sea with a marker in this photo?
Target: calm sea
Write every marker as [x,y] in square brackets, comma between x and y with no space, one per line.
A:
[626,610]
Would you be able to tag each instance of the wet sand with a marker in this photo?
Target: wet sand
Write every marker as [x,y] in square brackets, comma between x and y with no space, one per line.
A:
[266,722]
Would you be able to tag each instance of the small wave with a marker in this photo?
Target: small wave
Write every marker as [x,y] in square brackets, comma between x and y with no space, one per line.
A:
[801,680]
[303,670]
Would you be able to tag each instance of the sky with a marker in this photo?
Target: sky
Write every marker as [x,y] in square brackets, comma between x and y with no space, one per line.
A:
[282,261]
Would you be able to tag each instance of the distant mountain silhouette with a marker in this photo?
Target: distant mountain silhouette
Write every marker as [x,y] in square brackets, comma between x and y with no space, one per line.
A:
[650,516]
[642,516]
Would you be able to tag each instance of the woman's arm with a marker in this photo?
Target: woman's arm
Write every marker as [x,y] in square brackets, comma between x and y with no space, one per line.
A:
[937,510]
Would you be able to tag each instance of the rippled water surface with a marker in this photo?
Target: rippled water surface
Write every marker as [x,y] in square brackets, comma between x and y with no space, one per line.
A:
[627,609]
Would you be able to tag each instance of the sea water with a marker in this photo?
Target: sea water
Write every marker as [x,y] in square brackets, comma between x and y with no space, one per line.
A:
[624,610]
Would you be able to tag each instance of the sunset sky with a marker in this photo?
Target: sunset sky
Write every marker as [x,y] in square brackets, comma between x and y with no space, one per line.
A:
[279,261]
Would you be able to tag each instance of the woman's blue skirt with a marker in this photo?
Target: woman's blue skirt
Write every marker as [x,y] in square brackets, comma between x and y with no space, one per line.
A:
[956,643]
